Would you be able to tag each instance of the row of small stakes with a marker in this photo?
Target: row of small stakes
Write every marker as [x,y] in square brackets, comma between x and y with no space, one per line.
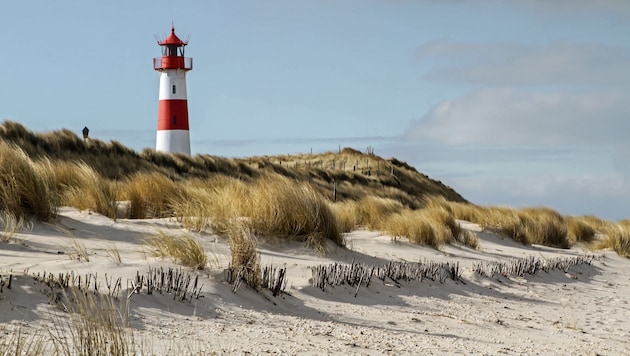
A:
[184,286]
[176,282]
[359,274]
[530,265]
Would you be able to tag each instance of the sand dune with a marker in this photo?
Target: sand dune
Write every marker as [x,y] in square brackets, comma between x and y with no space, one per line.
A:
[582,311]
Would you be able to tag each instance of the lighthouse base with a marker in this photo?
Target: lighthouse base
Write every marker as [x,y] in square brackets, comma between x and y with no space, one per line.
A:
[173,141]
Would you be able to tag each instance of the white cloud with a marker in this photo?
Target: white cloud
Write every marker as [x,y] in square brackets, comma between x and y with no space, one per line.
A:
[559,112]
[507,116]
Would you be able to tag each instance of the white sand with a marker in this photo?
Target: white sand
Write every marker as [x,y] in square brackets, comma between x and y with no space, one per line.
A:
[585,311]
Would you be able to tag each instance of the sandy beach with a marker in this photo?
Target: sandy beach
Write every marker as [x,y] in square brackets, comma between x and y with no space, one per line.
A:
[581,311]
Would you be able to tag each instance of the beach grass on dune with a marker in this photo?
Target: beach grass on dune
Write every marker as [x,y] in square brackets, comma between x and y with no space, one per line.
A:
[285,197]
[24,190]
[184,249]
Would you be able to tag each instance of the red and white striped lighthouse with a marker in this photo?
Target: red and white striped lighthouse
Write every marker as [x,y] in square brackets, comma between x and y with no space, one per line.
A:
[172,132]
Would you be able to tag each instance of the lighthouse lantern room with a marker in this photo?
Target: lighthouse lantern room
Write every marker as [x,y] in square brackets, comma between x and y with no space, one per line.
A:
[172,132]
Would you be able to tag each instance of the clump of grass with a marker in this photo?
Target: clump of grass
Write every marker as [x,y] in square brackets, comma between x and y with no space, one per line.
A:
[460,210]
[279,206]
[94,326]
[579,230]
[346,214]
[272,206]
[80,186]
[113,253]
[617,238]
[18,342]
[184,249]
[468,238]
[24,190]
[76,250]
[541,225]
[372,211]
[149,195]
[11,225]
[545,226]
[244,255]
[408,224]
[430,227]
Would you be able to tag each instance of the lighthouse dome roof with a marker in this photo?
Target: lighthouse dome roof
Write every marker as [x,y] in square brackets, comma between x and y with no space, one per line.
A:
[172,39]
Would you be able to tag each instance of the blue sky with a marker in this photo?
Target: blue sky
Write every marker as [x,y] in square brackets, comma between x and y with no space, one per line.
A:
[521,103]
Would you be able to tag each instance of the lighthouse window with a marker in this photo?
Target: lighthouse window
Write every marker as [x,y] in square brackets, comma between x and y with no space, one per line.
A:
[174,120]
[174,89]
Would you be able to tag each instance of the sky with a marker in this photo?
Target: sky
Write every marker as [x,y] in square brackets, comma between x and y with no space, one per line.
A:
[519,103]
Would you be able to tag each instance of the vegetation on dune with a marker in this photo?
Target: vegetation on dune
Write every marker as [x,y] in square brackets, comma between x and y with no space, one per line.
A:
[357,174]
[271,205]
[308,197]
[184,249]
[24,188]
[617,238]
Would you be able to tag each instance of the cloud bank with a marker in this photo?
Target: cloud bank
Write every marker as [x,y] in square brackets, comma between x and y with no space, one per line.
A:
[564,101]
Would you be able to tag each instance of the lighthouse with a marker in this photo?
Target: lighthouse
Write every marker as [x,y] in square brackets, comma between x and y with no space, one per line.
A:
[172,130]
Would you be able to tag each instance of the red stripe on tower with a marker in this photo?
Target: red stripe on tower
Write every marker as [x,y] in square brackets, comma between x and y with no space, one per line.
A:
[173,132]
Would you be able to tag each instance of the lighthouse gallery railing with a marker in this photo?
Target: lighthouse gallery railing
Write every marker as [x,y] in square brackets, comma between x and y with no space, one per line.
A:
[172,63]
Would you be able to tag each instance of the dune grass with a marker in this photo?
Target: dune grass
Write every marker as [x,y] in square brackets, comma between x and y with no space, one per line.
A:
[90,324]
[579,230]
[76,250]
[271,205]
[79,185]
[113,253]
[430,227]
[149,194]
[346,215]
[23,341]
[539,225]
[278,206]
[24,191]
[95,326]
[11,225]
[616,237]
[245,260]
[285,196]
[468,238]
[184,249]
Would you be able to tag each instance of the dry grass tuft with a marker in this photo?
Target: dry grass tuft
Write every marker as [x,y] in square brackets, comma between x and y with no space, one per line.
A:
[95,326]
[372,212]
[113,253]
[617,238]
[460,210]
[11,225]
[545,227]
[244,254]
[272,206]
[80,186]
[430,227]
[282,207]
[541,226]
[468,238]
[184,249]
[346,214]
[76,250]
[579,230]
[149,195]
[24,190]
[22,341]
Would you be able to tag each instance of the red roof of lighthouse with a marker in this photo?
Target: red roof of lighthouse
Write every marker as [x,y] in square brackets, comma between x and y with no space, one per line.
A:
[172,39]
